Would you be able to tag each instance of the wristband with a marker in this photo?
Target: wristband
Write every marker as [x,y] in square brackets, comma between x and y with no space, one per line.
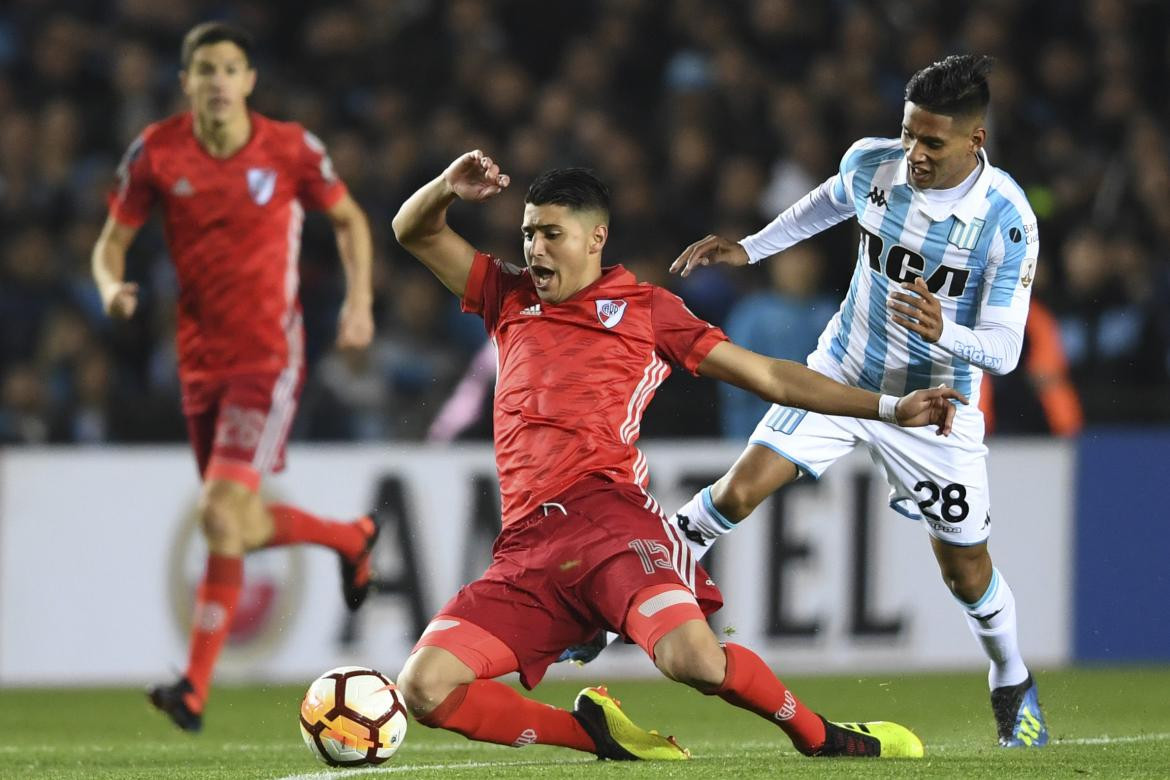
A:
[887,409]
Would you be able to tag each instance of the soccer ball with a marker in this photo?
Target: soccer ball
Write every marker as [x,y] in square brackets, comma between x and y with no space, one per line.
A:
[353,716]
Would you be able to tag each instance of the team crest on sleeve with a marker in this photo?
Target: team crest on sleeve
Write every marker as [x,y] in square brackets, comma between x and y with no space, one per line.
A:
[261,184]
[609,312]
[1028,274]
[965,236]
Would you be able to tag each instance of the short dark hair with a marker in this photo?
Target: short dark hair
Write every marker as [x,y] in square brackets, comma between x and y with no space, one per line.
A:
[577,188]
[955,86]
[208,33]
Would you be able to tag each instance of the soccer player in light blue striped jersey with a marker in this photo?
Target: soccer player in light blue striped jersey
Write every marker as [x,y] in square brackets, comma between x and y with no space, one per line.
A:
[940,293]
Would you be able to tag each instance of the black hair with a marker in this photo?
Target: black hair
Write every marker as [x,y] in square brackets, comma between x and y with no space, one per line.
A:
[955,86]
[577,188]
[208,33]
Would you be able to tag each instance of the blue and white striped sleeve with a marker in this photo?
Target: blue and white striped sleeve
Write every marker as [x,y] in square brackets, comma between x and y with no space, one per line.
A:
[996,341]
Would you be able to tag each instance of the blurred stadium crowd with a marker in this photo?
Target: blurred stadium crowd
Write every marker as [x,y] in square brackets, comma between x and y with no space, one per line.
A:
[702,116]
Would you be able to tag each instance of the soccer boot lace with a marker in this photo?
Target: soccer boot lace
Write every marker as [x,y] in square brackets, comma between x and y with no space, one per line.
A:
[876,739]
[178,702]
[1018,717]
[616,736]
[355,574]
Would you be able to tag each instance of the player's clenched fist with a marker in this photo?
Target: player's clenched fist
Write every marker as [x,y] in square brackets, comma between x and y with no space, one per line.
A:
[475,177]
[121,300]
[355,326]
[711,249]
[929,407]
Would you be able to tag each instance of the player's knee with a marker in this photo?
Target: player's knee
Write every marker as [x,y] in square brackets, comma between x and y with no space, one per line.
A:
[697,661]
[967,577]
[220,517]
[424,684]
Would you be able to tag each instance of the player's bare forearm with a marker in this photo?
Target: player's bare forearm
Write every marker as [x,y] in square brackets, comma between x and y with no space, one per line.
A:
[424,214]
[420,226]
[356,249]
[787,383]
[108,265]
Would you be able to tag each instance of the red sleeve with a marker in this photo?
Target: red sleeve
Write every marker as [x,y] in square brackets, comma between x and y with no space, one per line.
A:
[473,299]
[318,187]
[679,336]
[131,202]
[487,284]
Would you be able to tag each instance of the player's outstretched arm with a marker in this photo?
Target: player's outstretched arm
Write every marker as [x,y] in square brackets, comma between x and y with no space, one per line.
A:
[791,384]
[421,223]
[355,323]
[108,264]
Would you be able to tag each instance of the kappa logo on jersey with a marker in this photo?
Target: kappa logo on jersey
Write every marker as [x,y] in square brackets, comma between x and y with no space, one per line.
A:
[965,236]
[183,188]
[534,309]
[610,312]
[261,184]
[877,197]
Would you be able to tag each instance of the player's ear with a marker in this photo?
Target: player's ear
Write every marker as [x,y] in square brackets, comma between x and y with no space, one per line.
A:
[598,237]
[251,81]
[978,137]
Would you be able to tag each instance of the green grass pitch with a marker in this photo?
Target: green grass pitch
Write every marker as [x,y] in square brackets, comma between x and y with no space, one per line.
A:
[1104,722]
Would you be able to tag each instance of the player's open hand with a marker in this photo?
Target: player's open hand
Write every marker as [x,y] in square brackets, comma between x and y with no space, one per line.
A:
[121,301]
[918,310]
[711,249]
[475,177]
[929,407]
[355,326]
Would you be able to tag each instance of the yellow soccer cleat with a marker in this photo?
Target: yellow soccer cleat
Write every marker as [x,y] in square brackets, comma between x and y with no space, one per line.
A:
[877,739]
[616,736]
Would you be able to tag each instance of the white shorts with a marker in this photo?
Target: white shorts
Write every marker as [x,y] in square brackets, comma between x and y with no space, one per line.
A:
[939,480]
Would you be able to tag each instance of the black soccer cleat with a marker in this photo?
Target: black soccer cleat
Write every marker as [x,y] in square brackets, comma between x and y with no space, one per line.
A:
[586,651]
[876,739]
[1018,717]
[174,700]
[355,574]
[615,736]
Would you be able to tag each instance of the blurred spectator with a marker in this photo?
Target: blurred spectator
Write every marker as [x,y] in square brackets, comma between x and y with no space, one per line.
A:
[1038,396]
[703,117]
[783,321]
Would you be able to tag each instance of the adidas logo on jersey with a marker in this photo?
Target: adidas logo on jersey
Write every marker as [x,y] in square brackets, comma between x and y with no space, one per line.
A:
[533,309]
[183,188]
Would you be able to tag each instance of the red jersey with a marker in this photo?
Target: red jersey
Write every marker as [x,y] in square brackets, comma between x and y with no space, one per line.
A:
[575,377]
[233,227]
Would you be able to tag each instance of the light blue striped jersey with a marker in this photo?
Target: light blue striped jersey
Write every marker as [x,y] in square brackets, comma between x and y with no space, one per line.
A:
[975,252]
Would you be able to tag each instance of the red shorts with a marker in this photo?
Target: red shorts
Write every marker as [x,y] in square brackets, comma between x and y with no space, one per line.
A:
[573,567]
[239,425]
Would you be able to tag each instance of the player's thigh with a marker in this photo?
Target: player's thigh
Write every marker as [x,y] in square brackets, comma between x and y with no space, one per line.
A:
[252,426]
[521,611]
[939,480]
[638,575]
[812,442]
[201,435]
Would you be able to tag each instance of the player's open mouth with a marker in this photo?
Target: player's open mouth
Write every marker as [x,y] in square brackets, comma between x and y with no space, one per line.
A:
[919,173]
[541,276]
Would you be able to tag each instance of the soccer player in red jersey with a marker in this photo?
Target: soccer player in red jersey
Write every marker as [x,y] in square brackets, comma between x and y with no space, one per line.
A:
[583,546]
[233,186]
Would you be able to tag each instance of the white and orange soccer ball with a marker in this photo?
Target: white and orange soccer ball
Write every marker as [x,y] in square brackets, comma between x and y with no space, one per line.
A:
[353,716]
